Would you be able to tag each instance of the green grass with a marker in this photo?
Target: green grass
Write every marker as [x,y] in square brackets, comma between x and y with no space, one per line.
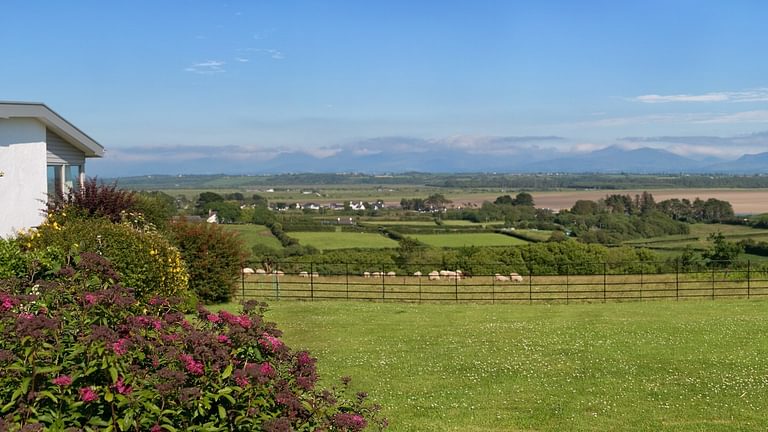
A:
[253,235]
[641,366]
[698,237]
[342,240]
[460,239]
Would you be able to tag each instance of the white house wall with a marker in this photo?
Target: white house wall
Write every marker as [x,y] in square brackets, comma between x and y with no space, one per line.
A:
[23,185]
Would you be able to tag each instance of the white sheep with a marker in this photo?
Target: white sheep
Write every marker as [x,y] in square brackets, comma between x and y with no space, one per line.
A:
[261,272]
[434,275]
[248,270]
[514,277]
[391,274]
[303,274]
[501,278]
[417,274]
[366,274]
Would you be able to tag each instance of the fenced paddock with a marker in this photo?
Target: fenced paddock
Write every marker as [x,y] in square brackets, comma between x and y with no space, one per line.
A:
[610,286]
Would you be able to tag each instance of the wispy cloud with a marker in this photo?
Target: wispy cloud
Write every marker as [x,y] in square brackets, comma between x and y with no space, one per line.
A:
[704,145]
[207,67]
[242,59]
[271,52]
[757,116]
[754,95]
[741,117]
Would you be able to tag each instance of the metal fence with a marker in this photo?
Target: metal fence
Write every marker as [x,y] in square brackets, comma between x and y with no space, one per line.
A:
[609,286]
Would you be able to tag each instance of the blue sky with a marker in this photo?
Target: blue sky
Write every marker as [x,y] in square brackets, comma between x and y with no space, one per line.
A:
[196,79]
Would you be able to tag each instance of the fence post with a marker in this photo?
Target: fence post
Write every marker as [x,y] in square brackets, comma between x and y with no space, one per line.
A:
[493,290]
[456,287]
[749,267]
[242,279]
[641,281]
[713,282]
[346,271]
[567,282]
[311,281]
[530,285]
[383,276]
[419,289]
[677,280]
[605,279]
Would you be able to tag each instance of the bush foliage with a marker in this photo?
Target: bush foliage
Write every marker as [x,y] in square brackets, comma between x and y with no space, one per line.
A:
[81,353]
[214,258]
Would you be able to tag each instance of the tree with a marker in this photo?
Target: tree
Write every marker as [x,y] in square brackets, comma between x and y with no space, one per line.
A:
[722,253]
[504,200]
[523,199]
[584,207]
[207,197]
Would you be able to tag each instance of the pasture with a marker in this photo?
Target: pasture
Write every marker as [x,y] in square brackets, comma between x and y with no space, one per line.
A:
[253,235]
[454,240]
[640,366]
[343,240]
[698,237]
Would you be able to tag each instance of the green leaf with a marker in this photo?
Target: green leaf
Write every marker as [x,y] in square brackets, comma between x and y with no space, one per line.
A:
[222,412]
[227,371]
[113,373]
[108,396]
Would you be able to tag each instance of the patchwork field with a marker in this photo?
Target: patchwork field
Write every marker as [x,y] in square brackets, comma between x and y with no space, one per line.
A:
[460,240]
[343,240]
[687,366]
[253,235]
[698,237]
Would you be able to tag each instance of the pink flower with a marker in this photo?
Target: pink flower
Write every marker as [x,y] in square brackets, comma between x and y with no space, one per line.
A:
[270,342]
[88,394]
[120,347]
[242,381]
[156,428]
[121,387]
[349,421]
[157,324]
[91,298]
[7,304]
[266,369]
[26,315]
[223,339]
[62,380]
[213,318]
[194,367]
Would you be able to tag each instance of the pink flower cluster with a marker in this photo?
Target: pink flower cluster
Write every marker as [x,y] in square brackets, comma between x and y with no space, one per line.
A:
[120,347]
[121,387]
[62,380]
[7,303]
[240,320]
[88,394]
[349,421]
[270,342]
[194,367]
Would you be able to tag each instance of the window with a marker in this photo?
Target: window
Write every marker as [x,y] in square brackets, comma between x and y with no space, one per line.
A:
[63,178]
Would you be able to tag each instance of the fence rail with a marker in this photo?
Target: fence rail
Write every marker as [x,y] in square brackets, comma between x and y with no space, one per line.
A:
[712,283]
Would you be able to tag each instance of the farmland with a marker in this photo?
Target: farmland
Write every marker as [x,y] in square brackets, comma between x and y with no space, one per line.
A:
[344,240]
[686,366]
[462,240]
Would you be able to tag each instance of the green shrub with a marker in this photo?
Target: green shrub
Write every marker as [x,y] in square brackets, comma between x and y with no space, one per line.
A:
[145,260]
[214,259]
[80,353]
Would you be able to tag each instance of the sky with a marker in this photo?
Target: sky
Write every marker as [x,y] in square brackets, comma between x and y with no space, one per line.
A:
[190,80]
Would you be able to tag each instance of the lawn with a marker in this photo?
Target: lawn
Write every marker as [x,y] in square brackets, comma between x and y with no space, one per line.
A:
[253,235]
[453,240]
[640,366]
[342,240]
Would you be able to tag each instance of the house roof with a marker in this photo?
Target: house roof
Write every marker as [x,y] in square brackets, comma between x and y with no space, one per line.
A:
[53,121]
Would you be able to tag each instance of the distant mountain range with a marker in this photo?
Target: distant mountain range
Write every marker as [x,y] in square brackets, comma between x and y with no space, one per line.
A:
[612,159]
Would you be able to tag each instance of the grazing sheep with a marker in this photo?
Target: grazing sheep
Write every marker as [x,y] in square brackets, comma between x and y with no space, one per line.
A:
[443,272]
[366,274]
[303,274]
[261,272]
[434,275]
[417,274]
[315,274]
[248,270]
[514,277]
[376,274]
[501,278]
[391,274]
[278,273]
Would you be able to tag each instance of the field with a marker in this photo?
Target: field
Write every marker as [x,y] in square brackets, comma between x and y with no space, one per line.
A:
[459,240]
[698,237]
[343,240]
[253,235]
[687,366]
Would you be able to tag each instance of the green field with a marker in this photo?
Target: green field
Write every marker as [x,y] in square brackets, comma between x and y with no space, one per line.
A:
[343,240]
[459,240]
[698,237]
[449,223]
[253,235]
[641,366]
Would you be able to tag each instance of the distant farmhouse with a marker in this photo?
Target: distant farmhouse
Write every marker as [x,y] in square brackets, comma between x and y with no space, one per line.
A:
[41,154]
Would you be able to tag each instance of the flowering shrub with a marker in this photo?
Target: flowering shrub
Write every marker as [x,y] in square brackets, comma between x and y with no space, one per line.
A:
[95,199]
[214,258]
[143,260]
[81,353]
